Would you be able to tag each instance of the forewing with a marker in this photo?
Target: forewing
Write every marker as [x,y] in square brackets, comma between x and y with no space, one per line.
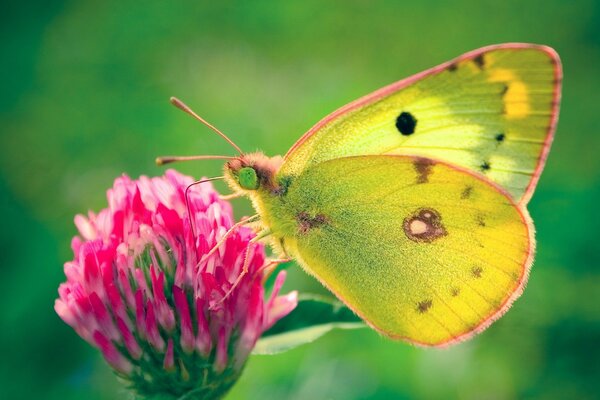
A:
[421,250]
[493,111]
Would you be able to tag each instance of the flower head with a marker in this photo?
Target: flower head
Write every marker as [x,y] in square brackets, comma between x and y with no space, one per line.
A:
[143,288]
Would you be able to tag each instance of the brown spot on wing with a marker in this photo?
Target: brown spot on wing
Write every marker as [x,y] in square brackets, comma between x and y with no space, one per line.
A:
[476,272]
[423,306]
[424,225]
[424,168]
[306,222]
[466,193]
[454,291]
[480,220]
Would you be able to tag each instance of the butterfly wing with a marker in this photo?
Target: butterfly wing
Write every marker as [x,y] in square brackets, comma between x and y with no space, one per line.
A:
[493,110]
[421,250]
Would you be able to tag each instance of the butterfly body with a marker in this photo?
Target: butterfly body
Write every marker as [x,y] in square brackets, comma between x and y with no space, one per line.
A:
[409,204]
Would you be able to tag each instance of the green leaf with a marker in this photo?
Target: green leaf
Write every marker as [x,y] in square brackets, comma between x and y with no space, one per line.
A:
[312,318]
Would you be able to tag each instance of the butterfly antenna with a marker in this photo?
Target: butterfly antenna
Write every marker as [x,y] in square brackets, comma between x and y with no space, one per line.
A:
[187,200]
[172,159]
[183,107]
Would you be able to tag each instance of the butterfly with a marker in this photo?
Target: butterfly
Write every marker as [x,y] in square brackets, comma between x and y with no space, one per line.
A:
[409,204]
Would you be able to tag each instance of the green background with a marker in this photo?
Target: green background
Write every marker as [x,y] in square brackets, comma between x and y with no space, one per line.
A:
[84,94]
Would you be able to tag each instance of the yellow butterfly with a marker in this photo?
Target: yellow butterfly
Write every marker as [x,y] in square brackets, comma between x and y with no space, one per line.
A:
[409,204]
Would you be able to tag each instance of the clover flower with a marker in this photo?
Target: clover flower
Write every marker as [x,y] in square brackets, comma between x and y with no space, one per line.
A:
[142,289]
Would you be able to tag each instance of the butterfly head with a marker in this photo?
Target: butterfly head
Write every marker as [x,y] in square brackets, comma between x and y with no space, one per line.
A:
[254,171]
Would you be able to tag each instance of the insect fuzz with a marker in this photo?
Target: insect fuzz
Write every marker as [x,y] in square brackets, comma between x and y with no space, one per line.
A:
[253,171]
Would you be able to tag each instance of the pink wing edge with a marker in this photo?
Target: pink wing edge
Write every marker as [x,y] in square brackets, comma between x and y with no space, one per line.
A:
[504,307]
[519,287]
[386,90]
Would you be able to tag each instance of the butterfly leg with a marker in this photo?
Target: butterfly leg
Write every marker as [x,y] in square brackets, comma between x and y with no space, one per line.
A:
[269,267]
[230,196]
[229,232]
[245,266]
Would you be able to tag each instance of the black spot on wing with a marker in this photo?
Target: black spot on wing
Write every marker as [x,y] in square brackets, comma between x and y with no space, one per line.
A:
[406,123]
[500,137]
[479,61]
[485,166]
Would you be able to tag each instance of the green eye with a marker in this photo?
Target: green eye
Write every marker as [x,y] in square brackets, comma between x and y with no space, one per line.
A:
[248,179]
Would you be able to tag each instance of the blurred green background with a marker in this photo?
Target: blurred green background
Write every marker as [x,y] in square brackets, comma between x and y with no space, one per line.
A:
[84,98]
